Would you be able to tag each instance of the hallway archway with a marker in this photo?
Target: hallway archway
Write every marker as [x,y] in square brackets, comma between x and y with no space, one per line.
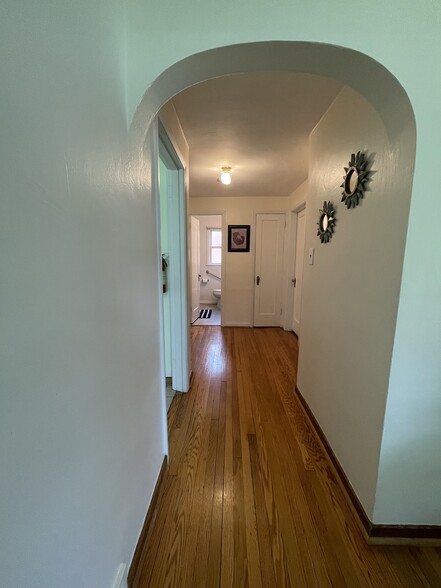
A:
[352,68]
[389,102]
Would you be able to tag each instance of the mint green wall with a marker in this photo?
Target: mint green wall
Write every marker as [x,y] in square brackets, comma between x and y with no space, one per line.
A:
[400,35]
[401,38]
[81,416]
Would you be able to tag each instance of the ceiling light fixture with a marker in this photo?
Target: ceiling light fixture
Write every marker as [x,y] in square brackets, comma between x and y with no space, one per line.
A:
[225,176]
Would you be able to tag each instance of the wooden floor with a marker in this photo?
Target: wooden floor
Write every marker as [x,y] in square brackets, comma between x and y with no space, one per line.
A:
[249,499]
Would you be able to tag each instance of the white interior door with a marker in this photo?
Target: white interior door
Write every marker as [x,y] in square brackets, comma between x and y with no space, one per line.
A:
[298,269]
[195,269]
[270,233]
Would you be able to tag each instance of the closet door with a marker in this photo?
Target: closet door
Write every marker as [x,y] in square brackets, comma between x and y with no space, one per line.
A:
[270,235]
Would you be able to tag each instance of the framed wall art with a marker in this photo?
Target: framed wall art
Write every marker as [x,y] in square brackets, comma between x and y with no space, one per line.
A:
[238,238]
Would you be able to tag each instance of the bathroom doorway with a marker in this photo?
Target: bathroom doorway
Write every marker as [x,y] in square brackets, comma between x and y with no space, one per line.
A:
[206,269]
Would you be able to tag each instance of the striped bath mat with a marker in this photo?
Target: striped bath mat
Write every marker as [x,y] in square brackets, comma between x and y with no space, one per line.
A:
[205,313]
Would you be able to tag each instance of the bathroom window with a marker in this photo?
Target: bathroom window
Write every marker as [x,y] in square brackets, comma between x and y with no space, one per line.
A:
[214,241]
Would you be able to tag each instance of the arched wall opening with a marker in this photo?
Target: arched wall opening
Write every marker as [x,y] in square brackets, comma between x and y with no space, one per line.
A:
[345,356]
[352,68]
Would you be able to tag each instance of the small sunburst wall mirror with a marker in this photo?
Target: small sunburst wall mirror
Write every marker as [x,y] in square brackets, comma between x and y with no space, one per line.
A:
[354,180]
[326,222]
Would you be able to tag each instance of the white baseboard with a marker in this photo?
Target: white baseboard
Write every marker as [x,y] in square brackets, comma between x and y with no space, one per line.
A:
[121,577]
[234,324]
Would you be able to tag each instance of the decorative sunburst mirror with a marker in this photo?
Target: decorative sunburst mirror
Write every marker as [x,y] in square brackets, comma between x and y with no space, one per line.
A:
[326,222]
[354,180]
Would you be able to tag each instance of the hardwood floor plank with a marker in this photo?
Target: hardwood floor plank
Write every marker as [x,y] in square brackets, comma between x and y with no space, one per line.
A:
[173,411]
[287,542]
[300,569]
[214,557]
[409,572]
[197,545]
[263,528]
[227,553]
[237,445]
[428,564]
[250,498]
[253,559]
[240,565]
[168,569]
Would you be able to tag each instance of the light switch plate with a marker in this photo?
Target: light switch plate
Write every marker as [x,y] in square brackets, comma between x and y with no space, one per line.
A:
[311,256]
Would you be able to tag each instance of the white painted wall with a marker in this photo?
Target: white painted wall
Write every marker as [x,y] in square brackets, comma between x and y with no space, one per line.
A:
[238,268]
[299,196]
[206,222]
[350,294]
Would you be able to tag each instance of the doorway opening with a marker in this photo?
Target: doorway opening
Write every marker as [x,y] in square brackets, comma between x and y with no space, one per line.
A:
[173,249]
[206,269]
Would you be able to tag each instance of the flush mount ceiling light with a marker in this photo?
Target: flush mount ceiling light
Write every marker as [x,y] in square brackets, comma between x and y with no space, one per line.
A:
[225,176]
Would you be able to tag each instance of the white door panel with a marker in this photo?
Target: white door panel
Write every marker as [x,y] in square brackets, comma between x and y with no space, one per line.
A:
[270,231]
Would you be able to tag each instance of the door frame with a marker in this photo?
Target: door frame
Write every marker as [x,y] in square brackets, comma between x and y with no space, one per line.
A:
[177,272]
[290,291]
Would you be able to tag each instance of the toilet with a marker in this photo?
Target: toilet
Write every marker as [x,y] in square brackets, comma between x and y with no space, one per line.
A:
[217,295]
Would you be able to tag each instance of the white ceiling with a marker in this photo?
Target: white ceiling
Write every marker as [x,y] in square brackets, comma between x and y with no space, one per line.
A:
[256,123]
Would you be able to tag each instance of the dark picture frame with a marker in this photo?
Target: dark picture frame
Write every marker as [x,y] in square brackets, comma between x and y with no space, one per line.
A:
[238,238]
